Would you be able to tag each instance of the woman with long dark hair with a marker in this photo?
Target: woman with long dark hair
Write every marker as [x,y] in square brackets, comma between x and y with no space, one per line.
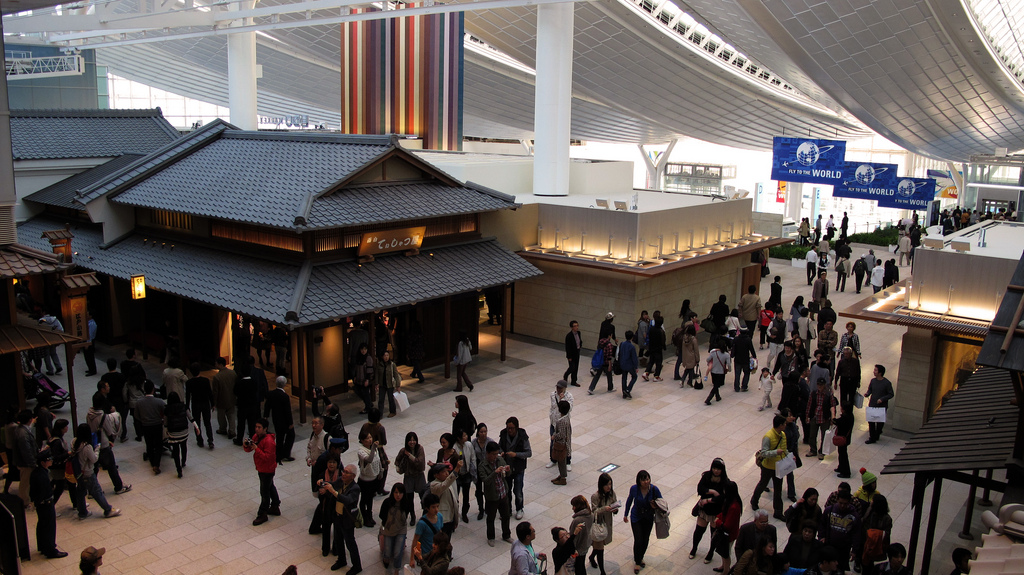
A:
[327,502]
[176,423]
[757,560]
[411,462]
[805,509]
[711,496]
[640,515]
[395,513]
[463,419]
[60,451]
[726,527]
[604,504]
[363,377]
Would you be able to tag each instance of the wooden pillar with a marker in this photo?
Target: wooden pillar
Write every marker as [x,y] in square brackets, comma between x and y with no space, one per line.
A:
[296,375]
[447,337]
[916,502]
[182,355]
[69,361]
[506,294]
[308,371]
[12,304]
[372,344]
[929,535]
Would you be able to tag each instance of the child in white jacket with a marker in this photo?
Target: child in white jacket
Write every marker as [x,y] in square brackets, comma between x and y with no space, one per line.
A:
[765,384]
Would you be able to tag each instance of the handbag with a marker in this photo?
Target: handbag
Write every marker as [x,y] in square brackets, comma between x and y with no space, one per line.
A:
[875,414]
[839,440]
[598,532]
[559,451]
[708,324]
[401,400]
[858,401]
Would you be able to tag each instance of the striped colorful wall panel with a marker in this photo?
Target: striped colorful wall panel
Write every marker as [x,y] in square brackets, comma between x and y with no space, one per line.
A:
[404,76]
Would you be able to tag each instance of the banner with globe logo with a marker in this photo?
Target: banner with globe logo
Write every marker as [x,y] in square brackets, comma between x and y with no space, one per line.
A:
[808,160]
[867,181]
[911,194]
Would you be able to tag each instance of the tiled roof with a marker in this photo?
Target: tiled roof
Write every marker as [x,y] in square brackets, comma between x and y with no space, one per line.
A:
[63,193]
[267,289]
[344,289]
[56,134]
[18,338]
[258,178]
[143,166]
[18,260]
[370,204]
[244,284]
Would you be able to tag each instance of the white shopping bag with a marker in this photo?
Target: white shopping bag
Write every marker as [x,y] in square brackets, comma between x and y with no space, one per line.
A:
[828,447]
[401,400]
[785,466]
[875,414]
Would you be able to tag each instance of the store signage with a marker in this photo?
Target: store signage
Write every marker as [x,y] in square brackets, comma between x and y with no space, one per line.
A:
[808,160]
[391,241]
[295,121]
[138,286]
[78,305]
[780,193]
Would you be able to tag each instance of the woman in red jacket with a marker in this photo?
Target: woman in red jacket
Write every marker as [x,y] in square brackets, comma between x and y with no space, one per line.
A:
[264,455]
[727,527]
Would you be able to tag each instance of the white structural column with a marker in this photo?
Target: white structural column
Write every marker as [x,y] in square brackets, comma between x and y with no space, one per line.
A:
[656,170]
[242,73]
[553,101]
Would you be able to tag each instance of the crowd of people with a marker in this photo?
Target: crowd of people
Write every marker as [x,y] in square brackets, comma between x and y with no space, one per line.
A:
[810,376]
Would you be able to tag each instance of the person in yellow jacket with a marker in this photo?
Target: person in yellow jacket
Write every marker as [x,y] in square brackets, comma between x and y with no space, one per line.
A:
[773,449]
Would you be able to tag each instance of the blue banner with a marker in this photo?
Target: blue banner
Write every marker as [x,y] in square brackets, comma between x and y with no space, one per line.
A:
[867,181]
[808,160]
[911,194]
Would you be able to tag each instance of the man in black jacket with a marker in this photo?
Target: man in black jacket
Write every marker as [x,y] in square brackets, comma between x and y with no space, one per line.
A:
[515,448]
[742,352]
[247,401]
[279,405]
[573,344]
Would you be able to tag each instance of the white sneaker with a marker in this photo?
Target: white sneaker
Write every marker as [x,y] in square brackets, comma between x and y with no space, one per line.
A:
[519,514]
[549,465]
[568,467]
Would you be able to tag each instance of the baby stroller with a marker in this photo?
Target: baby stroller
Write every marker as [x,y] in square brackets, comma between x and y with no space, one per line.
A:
[46,392]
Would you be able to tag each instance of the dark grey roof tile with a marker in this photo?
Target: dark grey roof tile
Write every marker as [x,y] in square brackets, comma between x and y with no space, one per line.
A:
[343,289]
[55,134]
[63,193]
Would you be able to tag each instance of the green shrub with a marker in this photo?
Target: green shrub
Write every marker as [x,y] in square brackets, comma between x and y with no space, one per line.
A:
[888,236]
[788,251]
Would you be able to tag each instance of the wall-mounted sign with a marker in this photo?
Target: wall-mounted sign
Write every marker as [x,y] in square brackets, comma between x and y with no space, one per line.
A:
[290,121]
[391,241]
[77,326]
[139,287]
[780,193]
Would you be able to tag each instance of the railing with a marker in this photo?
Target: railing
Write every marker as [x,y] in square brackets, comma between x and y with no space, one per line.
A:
[45,67]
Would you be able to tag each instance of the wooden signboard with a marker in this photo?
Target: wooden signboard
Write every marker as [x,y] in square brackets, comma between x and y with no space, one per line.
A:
[391,241]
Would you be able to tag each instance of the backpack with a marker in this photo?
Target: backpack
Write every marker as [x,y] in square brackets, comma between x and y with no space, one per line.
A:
[841,266]
[73,467]
[874,545]
[860,266]
[598,359]
[677,337]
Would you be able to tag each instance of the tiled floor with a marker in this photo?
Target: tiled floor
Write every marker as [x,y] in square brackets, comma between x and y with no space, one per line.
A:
[201,523]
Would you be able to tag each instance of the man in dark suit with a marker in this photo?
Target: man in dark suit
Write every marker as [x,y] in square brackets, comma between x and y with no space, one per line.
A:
[776,298]
[573,343]
[278,407]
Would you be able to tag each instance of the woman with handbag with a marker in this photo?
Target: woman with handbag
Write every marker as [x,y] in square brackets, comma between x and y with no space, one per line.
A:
[604,504]
[639,513]
[369,470]
[718,366]
[565,548]
[689,357]
[726,527]
[561,441]
[411,462]
[711,495]
[582,522]
[844,433]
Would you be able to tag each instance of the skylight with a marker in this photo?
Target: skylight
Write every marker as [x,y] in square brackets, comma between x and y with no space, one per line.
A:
[1001,23]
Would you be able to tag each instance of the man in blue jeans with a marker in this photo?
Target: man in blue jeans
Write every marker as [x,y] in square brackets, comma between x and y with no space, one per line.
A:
[515,447]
